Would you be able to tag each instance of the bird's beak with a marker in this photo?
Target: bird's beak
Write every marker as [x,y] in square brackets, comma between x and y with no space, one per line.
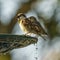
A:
[18,20]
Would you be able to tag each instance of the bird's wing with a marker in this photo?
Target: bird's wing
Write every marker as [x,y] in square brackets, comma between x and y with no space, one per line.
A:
[32,19]
[38,28]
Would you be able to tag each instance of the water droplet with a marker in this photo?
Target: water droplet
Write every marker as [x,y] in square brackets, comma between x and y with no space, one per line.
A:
[36,58]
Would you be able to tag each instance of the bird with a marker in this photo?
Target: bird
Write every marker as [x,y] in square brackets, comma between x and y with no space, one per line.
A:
[24,23]
[30,25]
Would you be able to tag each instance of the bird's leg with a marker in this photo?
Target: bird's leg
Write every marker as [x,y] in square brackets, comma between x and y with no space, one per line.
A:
[28,33]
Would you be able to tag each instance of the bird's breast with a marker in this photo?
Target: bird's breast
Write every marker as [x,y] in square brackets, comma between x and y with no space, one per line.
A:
[23,27]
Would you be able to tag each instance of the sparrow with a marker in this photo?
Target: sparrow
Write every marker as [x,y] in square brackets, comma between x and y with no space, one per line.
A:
[30,25]
[24,23]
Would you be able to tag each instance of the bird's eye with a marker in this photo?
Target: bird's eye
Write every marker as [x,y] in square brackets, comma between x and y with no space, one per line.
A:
[18,16]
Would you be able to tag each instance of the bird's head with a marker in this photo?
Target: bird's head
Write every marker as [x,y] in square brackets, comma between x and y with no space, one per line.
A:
[21,17]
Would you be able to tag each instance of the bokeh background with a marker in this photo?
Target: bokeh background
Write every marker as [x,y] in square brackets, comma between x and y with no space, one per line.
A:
[49,10]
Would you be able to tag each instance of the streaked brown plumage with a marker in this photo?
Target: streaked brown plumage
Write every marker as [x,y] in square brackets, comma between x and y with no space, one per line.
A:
[32,19]
[30,25]
[24,23]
